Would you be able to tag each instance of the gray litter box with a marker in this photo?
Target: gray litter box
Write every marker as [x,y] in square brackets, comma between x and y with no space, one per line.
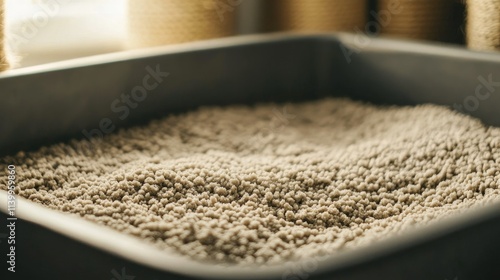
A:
[51,103]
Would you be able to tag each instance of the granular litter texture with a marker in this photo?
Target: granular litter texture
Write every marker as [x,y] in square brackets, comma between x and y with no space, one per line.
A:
[272,183]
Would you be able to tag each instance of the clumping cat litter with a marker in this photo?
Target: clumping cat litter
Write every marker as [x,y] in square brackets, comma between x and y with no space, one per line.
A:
[271,183]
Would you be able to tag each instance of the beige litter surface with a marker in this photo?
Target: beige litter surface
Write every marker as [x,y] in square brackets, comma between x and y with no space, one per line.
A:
[271,183]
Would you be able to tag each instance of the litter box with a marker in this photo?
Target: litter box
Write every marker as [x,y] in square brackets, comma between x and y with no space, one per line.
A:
[56,102]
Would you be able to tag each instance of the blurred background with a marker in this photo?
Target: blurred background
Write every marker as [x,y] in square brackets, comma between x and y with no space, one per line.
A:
[42,31]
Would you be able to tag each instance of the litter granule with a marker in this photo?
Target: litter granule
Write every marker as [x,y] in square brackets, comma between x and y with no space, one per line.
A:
[271,183]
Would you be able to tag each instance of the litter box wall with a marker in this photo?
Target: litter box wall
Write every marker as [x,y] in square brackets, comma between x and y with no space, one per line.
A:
[232,72]
[238,70]
[394,72]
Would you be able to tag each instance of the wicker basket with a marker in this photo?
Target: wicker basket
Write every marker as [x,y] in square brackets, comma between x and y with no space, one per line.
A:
[421,19]
[483,24]
[3,59]
[316,15]
[163,22]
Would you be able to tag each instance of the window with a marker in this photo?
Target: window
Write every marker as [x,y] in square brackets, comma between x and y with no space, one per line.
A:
[42,31]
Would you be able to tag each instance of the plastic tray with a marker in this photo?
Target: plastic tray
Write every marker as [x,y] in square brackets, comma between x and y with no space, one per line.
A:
[50,103]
